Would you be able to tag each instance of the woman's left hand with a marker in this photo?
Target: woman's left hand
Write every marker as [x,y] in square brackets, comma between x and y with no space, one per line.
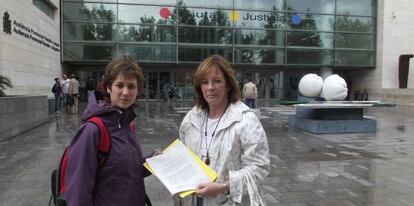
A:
[156,152]
[210,189]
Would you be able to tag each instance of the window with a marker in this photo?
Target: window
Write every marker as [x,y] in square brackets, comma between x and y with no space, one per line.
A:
[46,7]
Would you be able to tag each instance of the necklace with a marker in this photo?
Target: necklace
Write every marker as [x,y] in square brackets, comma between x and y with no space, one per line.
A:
[207,161]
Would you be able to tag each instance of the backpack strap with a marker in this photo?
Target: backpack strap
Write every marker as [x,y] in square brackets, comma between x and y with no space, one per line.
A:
[104,146]
[132,127]
[62,171]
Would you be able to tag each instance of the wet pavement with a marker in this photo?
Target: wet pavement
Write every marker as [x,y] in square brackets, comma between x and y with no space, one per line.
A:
[306,169]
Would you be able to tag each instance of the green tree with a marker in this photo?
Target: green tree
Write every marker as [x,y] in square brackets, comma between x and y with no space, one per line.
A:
[183,16]
[308,38]
[270,37]
[304,38]
[96,30]
[353,24]
[4,83]
[221,19]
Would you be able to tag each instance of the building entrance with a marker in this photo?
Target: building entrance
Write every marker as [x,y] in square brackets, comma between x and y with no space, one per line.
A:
[153,84]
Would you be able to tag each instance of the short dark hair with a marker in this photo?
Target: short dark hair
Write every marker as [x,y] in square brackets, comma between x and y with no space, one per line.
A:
[233,91]
[126,66]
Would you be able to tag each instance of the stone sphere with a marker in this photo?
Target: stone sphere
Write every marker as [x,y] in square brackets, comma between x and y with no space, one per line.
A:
[334,88]
[310,85]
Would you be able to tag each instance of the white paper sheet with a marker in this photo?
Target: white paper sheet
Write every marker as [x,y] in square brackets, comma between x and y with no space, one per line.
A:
[177,170]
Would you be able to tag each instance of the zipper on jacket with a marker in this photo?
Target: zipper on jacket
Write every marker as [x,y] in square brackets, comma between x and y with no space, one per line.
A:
[119,123]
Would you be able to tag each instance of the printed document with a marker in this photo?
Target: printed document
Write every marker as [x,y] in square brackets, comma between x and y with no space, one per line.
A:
[179,169]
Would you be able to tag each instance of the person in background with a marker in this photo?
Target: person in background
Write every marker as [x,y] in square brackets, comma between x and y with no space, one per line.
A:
[166,90]
[364,95]
[65,89]
[227,136]
[90,87]
[120,181]
[74,93]
[57,91]
[99,89]
[250,94]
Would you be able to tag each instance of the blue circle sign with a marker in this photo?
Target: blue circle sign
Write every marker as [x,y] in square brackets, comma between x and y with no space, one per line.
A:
[296,19]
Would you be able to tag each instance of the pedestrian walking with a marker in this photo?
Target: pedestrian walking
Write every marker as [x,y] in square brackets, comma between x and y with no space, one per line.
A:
[250,94]
[57,91]
[227,136]
[166,90]
[65,89]
[90,87]
[120,181]
[73,94]
[99,89]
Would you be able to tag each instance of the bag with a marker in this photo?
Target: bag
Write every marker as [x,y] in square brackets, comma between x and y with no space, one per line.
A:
[56,88]
[104,147]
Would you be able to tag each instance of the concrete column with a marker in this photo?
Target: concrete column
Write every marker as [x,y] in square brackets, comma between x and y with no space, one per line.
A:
[326,72]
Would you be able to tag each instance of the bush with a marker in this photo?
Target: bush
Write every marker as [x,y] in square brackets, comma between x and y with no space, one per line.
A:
[4,83]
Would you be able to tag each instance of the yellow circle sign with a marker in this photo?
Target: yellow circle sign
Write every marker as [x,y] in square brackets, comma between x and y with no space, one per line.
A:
[233,16]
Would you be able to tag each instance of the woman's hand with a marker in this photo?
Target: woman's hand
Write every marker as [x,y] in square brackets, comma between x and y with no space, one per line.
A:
[156,152]
[211,189]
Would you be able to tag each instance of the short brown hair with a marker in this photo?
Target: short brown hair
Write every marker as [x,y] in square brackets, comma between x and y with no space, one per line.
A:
[233,91]
[126,66]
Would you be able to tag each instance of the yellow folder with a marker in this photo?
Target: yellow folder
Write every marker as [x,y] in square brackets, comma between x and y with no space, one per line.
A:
[212,175]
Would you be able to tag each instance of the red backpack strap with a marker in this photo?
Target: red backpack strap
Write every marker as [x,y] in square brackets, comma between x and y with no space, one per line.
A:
[104,146]
[132,127]
[62,171]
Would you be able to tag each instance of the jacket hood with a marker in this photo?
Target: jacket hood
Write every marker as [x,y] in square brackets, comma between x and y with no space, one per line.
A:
[95,108]
[234,113]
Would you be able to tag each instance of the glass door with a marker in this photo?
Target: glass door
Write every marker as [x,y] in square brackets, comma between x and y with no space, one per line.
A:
[257,78]
[153,83]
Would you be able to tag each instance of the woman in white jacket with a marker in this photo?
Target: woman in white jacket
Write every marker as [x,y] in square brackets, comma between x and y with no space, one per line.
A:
[227,136]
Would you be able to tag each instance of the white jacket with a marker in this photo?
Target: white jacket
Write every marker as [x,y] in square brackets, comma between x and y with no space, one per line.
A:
[239,153]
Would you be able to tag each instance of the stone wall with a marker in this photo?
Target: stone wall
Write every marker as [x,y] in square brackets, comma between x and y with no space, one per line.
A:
[21,113]
[30,53]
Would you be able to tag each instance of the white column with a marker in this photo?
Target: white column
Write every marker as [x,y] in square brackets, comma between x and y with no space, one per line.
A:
[326,72]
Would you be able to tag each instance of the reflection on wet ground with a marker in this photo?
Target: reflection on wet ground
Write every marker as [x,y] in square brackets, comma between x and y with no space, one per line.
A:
[306,169]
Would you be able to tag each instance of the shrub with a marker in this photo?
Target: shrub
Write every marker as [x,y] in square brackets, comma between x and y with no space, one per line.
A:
[4,83]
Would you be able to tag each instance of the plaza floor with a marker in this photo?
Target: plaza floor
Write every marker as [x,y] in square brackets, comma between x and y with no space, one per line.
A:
[306,169]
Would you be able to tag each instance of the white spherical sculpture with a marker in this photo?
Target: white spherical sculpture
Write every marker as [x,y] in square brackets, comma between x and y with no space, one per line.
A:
[334,88]
[310,85]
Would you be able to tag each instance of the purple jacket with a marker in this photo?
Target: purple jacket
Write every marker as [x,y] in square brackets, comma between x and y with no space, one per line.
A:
[121,180]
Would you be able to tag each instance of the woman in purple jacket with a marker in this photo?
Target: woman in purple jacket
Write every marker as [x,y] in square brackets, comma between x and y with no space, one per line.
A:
[120,181]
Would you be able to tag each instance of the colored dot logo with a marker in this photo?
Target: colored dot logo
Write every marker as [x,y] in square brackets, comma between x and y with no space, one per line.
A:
[165,13]
[233,16]
[296,19]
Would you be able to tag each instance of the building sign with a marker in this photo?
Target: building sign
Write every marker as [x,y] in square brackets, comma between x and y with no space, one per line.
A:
[29,33]
[247,18]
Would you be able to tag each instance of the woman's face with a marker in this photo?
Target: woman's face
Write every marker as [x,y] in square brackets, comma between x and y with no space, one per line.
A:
[123,92]
[214,88]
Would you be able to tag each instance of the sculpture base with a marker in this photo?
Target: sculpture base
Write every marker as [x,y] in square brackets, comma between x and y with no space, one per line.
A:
[332,120]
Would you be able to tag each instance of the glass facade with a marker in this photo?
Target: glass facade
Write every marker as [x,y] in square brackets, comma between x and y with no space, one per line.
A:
[279,33]
[46,7]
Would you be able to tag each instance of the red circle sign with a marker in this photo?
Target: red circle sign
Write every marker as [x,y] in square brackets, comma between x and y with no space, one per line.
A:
[164,13]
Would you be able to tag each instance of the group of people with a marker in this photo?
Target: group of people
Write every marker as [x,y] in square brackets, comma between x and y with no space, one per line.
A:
[220,129]
[66,93]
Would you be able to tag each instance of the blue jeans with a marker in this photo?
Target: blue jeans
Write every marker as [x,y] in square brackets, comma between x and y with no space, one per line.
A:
[65,99]
[57,102]
[250,103]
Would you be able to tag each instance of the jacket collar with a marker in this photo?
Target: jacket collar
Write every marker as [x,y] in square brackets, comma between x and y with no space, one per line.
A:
[233,114]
